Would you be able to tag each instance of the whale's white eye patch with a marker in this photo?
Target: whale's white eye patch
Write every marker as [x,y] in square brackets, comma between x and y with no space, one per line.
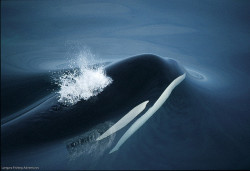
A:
[124,120]
[139,122]
[82,82]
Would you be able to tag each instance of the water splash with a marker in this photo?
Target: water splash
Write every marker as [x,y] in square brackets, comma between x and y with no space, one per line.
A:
[83,80]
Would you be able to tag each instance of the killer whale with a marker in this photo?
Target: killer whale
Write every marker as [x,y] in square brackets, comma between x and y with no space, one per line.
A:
[136,79]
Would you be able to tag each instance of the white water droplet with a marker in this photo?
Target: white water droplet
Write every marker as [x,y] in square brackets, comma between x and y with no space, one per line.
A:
[82,82]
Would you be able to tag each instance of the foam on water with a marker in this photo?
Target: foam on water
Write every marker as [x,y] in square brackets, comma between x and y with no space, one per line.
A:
[83,82]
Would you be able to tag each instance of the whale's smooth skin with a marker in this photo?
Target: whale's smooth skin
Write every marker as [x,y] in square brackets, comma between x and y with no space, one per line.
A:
[164,96]
[135,80]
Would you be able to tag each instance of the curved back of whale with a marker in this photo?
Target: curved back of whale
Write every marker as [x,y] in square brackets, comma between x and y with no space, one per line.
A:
[135,80]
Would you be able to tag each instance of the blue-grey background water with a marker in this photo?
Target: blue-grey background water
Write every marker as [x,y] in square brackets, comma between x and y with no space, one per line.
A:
[204,125]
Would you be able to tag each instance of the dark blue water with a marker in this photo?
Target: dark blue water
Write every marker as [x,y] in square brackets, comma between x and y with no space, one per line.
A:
[204,124]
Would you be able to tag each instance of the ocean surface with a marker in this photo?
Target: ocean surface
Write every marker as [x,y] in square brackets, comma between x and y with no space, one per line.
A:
[70,70]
